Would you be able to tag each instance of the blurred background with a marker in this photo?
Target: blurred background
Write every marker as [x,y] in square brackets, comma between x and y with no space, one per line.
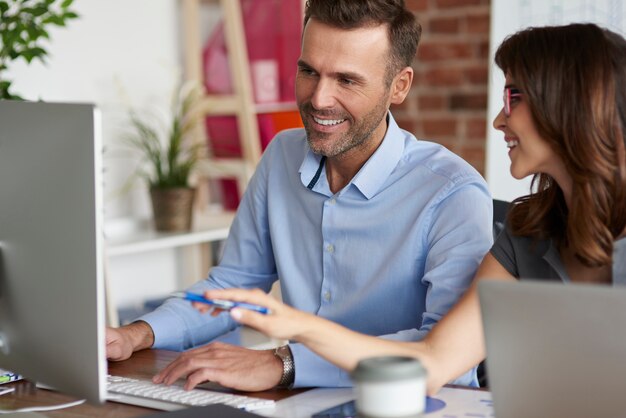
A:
[132,56]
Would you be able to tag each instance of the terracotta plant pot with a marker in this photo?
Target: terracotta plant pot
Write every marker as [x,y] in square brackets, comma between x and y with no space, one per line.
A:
[172,208]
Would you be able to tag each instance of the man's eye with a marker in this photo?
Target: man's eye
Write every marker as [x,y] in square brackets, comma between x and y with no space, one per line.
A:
[306,71]
[346,81]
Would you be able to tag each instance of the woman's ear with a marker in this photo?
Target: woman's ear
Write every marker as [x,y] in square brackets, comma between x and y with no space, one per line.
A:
[401,85]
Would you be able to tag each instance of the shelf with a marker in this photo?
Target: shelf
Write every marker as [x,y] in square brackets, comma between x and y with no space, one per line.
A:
[212,227]
[275,107]
[219,105]
[228,105]
[222,167]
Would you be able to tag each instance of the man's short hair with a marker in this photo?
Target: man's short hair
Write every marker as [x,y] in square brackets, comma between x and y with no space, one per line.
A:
[402,27]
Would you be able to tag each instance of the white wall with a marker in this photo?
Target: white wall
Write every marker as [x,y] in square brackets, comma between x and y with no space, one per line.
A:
[118,52]
[507,17]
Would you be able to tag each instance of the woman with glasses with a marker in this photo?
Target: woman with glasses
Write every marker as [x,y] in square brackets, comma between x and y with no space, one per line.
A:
[564,122]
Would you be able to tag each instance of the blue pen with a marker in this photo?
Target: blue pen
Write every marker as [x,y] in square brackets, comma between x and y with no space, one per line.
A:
[226,305]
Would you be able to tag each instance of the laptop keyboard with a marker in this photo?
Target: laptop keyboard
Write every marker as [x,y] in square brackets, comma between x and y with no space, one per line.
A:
[168,398]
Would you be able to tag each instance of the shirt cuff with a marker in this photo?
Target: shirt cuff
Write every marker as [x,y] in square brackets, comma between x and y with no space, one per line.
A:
[167,326]
[313,371]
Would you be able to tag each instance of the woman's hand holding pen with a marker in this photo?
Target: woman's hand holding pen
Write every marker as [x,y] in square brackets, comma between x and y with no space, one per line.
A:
[339,345]
[283,322]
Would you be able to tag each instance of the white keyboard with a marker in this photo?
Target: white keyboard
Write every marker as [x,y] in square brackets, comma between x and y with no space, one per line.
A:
[169,398]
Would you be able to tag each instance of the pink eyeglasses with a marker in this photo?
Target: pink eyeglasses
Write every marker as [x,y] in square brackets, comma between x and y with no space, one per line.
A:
[510,93]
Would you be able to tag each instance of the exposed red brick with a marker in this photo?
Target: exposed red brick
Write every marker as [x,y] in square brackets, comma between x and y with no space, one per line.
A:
[405,106]
[483,49]
[447,76]
[443,4]
[417,5]
[407,124]
[418,76]
[431,102]
[477,75]
[447,103]
[442,50]
[444,25]
[465,101]
[475,156]
[478,23]
[476,128]
[439,127]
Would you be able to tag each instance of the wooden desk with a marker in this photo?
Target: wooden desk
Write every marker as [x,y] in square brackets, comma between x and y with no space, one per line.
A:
[143,365]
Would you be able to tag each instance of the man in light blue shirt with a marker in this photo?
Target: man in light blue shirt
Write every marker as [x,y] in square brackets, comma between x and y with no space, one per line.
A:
[361,223]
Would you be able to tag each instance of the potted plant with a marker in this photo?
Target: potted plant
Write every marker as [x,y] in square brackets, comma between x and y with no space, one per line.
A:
[23,26]
[169,156]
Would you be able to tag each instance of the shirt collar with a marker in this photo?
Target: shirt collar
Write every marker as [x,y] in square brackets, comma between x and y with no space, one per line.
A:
[308,169]
[618,269]
[377,169]
[553,258]
[374,173]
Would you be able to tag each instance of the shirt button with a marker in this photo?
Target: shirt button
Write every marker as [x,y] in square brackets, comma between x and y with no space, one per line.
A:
[332,201]
[330,248]
[327,296]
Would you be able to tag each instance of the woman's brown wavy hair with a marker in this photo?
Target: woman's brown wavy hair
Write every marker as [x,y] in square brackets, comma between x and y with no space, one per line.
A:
[574,80]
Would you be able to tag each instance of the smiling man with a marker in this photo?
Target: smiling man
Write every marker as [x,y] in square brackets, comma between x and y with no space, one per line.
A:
[362,223]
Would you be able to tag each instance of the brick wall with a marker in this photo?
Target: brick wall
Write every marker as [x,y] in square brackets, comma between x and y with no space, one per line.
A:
[448,101]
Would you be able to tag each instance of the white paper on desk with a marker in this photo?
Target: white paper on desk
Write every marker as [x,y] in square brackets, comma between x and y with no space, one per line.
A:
[463,403]
[4,391]
[460,403]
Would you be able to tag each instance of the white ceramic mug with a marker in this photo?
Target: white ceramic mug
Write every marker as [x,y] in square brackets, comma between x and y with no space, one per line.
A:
[390,386]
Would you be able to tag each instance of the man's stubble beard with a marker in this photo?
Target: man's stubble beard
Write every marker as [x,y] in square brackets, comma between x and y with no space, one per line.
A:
[357,135]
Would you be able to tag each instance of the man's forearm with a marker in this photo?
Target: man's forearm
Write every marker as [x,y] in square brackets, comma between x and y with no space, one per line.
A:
[140,334]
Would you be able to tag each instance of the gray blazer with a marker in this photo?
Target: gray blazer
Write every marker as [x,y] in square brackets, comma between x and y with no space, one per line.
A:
[528,258]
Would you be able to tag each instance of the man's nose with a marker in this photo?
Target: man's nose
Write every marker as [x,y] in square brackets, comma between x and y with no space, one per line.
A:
[323,95]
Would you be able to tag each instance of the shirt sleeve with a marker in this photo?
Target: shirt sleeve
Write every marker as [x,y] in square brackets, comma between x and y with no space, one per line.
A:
[247,262]
[504,252]
[459,236]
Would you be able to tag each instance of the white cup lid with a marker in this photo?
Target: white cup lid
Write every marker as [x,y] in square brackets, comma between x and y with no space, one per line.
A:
[388,368]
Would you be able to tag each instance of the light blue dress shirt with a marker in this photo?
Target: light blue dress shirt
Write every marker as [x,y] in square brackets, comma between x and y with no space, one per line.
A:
[388,255]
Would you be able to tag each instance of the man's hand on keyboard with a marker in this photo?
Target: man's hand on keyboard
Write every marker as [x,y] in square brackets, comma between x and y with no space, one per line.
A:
[229,365]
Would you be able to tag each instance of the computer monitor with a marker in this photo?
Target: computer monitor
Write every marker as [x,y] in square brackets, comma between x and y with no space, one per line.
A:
[51,275]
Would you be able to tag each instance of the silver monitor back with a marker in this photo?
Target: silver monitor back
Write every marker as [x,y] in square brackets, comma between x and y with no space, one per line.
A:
[51,275]
[555,350]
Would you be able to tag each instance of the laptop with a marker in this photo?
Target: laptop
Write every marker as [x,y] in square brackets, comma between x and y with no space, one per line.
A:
[555,350]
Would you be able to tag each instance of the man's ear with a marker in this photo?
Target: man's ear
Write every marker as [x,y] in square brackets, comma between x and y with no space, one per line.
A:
[401,85]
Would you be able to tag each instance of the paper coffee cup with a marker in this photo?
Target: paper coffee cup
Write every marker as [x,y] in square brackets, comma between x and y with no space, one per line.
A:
[390,387]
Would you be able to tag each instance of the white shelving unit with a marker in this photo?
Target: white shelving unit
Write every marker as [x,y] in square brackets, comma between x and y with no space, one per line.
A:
[241,103]
[214,228]
[194,248]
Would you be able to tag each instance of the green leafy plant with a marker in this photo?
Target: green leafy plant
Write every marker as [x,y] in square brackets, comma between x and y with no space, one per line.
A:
[169,160]
[23,26]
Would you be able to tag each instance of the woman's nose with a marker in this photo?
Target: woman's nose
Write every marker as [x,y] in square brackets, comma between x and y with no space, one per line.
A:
[499,121]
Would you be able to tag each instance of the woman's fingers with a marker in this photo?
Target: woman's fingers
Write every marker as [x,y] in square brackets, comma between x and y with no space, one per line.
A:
[254,296]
